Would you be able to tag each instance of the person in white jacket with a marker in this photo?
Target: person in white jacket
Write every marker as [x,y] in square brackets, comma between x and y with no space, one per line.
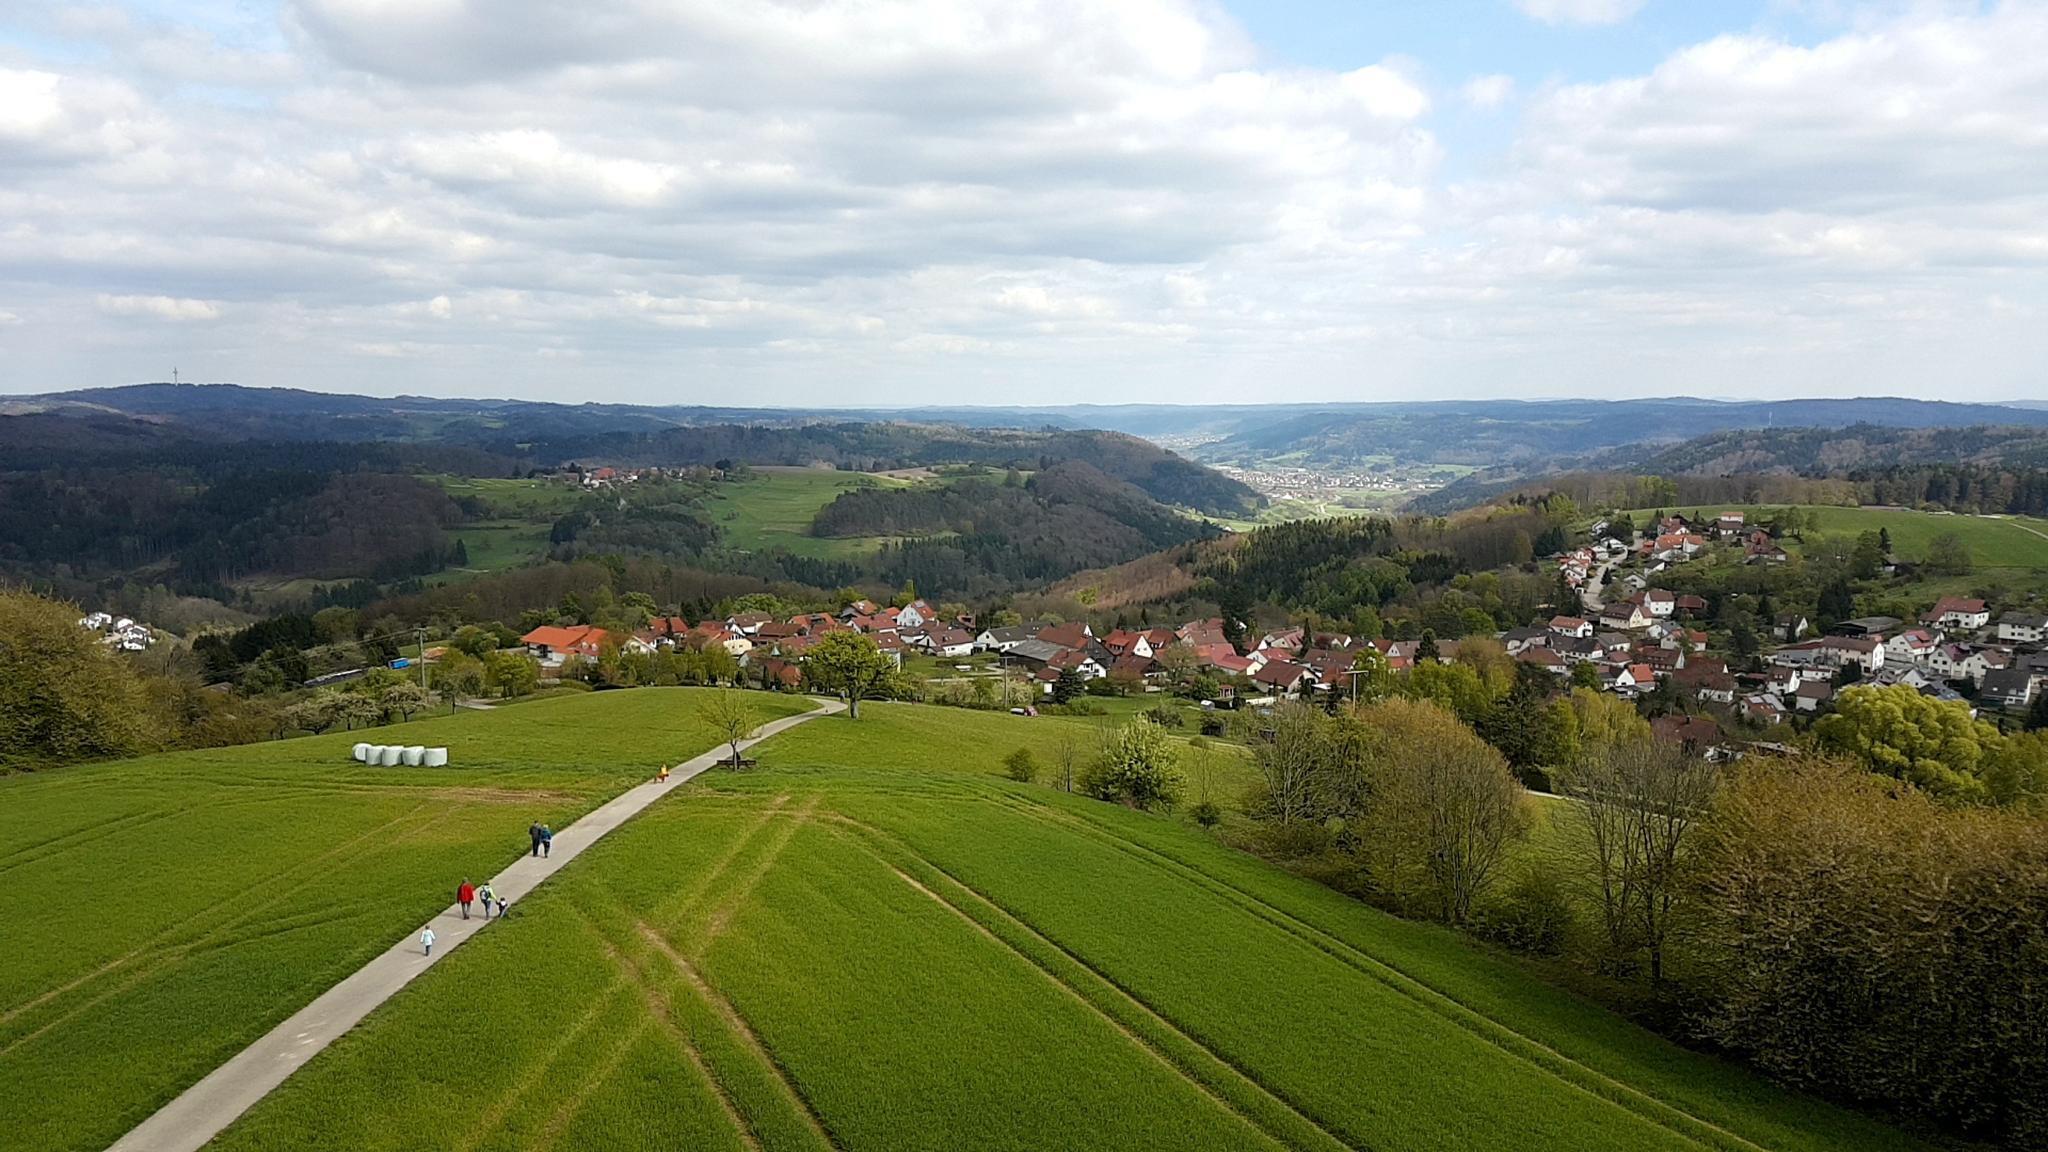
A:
[427,941]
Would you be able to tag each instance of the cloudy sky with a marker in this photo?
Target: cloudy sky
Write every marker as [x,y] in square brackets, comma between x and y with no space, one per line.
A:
[1026,201]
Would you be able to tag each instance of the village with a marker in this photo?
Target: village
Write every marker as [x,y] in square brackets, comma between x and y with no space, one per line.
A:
[1630,638]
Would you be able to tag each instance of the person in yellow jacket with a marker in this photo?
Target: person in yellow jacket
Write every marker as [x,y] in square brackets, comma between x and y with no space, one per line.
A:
[661,777]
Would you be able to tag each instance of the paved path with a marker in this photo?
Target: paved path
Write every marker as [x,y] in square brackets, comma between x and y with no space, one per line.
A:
[196,1116]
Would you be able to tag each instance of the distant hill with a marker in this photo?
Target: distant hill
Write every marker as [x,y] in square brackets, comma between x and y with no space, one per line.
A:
[1530,435]
[547,435]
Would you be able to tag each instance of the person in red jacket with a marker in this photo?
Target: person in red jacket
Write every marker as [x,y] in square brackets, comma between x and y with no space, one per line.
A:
[464,896]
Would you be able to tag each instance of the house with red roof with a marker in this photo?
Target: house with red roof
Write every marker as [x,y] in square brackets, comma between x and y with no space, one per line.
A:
[554,645]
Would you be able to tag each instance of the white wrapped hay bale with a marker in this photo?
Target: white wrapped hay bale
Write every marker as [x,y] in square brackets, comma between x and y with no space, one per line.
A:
[361,752]
[412,755]
[387,755]
[437,758]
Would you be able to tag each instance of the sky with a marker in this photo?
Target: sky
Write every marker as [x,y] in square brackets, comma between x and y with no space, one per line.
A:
[907,202]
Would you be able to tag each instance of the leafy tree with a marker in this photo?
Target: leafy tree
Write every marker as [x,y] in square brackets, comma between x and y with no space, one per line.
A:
[1426,650]
[2037,712]
[1947,555]
[1139,766]
[1606,721]
[477,642]
[404,698]
[357,708]
[459,675]
[64,696]
[1444,806]
[1370,678]
[511,673]
[1021,766]
[848,664]
[1895,731]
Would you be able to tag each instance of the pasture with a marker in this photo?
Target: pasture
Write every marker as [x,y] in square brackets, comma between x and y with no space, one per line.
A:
[773,508]
[873,941]
[2007,543]
[163,912]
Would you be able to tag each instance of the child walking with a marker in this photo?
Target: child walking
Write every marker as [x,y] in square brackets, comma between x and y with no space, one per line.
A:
[427,941]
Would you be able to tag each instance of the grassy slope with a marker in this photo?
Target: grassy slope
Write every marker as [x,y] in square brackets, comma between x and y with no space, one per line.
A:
[1994,543]
[774,507]
[163,912]
[874,942]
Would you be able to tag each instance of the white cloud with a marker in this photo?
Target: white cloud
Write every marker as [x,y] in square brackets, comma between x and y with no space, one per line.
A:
[159,307]
[1579,11]
[1488,92]
[832,201]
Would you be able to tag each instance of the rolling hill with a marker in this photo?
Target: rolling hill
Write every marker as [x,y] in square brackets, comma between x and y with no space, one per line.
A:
[872,942]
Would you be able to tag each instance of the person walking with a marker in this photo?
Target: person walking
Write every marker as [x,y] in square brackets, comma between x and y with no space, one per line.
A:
[547,840]
[427,941]
[661,777]
[486,895]
[533,833]
[465,895]
[502,905]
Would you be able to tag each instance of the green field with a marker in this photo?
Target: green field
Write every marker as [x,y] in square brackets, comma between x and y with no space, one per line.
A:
[161,913]
[773,508]
[875,942]
[2010,542]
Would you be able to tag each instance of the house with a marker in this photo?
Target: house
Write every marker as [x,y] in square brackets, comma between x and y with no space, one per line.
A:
[1691,604]
[1961,662]
[915,614]
[1133,667]
[1624,615]
[1913,646]
[1763,708]
[1659,603]
[1036,652]
[1519,640]
[1865,652]
[748,623]
[1790,626]
[1761,549]
[1813,695]
[1070,635]
[1545,659]
[552,645]
[2022,627]
[1571,626]
[952,643]
[1284,676]
[1077,661]
[1695,734]
[1577,649]
[859,608]
[1661,661]
[1708,684]
[1285,640]
[1957,612]
[1728,525]
[2007,688]
[1005,638]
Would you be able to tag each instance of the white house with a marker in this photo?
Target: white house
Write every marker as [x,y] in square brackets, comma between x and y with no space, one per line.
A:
[915,614]
[1660,603]
[1958,612]
[1913,646]
[2022,627]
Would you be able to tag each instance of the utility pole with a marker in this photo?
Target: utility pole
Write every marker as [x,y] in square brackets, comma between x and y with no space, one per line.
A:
[1003,668]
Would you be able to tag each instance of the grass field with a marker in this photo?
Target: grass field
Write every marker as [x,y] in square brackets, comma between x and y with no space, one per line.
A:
[161,913]
[773,508]
[2013,543]
[875,942]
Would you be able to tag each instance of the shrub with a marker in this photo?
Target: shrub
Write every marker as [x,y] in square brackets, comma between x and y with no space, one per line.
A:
[1533,916]
[1138,766]
[1165,715]
[1207,814]
[1021,766]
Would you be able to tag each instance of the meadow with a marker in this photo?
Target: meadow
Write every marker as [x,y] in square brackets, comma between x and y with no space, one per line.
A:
[163,912]
[874,941]
[773,508]
[2008,543]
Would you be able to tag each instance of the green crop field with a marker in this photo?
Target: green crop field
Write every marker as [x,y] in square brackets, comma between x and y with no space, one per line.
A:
[875,942]
[773,508]
[162,913]
[1995,542]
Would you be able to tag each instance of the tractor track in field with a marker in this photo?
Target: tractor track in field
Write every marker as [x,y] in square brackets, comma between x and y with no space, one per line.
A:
[1530,1050]
[531,1076]
[153,953]
[1317,1135]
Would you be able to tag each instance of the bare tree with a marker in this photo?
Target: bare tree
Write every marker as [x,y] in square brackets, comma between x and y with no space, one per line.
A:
[732,716]
[1067,758]
[1639,801]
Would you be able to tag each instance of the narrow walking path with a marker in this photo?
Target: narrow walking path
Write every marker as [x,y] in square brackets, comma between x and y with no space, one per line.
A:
[198,1114]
